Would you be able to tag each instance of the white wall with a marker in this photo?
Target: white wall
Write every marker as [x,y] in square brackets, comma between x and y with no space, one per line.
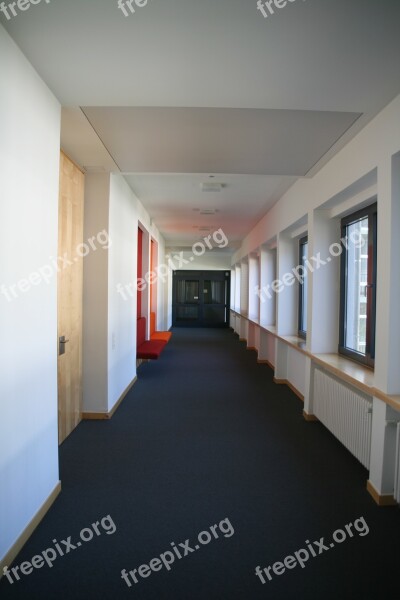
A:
[110,299]
[29,165]
[95,296]
[121,267]
[212,260]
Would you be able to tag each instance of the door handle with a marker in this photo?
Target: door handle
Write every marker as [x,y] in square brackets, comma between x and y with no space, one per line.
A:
[61,344]
[367,287]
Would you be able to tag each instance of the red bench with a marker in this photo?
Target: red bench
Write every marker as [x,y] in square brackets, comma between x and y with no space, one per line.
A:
[158,335]
[147,349]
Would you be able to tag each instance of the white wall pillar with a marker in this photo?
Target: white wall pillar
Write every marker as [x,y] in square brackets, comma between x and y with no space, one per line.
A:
[233,288]
[237,287]
[268,267]
[323,283]
[254,284]
[383,444]
[286,295]
[281,361]
[244,287]
[387,346]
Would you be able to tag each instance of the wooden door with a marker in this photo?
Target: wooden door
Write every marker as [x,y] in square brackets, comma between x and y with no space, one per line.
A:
[70,263]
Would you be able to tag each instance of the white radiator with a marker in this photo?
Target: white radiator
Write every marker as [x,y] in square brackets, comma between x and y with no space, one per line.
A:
[346,413]
[397,467]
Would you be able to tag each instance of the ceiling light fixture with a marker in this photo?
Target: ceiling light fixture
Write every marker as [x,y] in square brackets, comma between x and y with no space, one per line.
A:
[211,187]
[208,211]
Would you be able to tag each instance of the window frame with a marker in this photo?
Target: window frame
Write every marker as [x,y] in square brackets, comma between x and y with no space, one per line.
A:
[367,359]
[301,332]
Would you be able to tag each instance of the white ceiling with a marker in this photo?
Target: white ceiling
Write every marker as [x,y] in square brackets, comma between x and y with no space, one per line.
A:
[309,69]
[314,55]
[240,204]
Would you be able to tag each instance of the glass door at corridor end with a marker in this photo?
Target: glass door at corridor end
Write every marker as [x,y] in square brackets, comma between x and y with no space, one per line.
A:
[201,298]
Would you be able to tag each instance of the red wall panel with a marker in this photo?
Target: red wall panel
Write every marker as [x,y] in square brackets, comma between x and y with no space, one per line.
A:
[139,270]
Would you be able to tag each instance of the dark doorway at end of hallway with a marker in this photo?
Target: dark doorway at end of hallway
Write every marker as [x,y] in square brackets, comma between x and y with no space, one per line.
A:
[201,298]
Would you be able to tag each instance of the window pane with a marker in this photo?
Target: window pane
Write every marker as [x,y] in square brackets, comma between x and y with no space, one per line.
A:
[303,290]
[188,291]
[304,287]
[356,282]
[214,292]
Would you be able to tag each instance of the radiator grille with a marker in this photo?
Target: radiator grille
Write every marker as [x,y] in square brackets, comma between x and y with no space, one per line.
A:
[346,413]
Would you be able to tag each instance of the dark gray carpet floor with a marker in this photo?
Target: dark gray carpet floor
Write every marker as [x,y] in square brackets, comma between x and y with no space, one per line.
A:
[204,436]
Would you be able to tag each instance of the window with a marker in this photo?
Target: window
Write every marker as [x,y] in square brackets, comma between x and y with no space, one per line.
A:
[358,286]
[303,253]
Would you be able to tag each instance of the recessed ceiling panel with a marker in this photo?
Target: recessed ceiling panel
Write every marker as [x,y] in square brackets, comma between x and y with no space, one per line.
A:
[199,140]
